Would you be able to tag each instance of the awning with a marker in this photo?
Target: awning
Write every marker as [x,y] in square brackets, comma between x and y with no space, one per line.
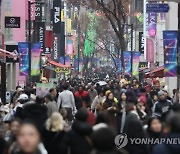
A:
[58,64]
[142,69]
[157,72]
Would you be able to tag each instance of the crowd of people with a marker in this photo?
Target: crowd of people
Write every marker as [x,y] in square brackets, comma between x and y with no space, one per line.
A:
[83,116]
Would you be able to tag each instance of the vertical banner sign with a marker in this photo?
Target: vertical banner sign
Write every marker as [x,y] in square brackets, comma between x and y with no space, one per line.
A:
[24,58]
[38,11]
[152,22]
[56,16]
[170,53]
[136,60]
[35,59]
[119,65]
[69,46]
[56,47]
[33,10]
[141,42]
[127,62]
[41,35]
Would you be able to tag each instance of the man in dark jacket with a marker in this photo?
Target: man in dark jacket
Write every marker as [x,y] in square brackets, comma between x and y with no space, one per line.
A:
[161,107]
[78,139]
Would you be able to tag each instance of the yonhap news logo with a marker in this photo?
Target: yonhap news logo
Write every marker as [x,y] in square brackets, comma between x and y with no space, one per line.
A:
[121,140]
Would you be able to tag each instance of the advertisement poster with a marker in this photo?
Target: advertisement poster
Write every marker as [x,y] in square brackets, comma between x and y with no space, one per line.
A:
[152,22]
[170,53]
[136,59]
[35,59]
[127,62]
[24,59]
[69,46]
[118,65]
[43,88]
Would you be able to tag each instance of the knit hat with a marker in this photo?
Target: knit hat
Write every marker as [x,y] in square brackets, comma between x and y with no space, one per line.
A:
[160,93]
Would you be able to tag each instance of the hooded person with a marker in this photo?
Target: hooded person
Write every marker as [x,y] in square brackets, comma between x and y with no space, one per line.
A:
[78,139]
[104,144]
[173,134]
[36,112]
[54,133]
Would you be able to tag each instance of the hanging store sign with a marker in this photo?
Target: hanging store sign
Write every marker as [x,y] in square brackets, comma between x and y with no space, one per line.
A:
[127,62]
[12,22]
[56,48]
[141,42]
[56,15]
[41,35]
[152,22]
[61,70]
[35,59]
[136,59]
[24,58]
[170,40]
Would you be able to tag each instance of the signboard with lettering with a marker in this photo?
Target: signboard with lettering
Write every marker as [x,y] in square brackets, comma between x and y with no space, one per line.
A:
[12,22]
[143,65]
[157,7]
[47,51]
[56,15]
[41,35]
[61,70]
[141,42]
[56,47]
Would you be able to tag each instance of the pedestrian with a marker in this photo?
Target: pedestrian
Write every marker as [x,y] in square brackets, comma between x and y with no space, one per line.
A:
[11,134]
[173,124]
[122,101]
[163,105]
[53,134]
[110,103]
[28,141]
[51,104]
[103,140]
[92,93]
[53,92]
[154,130]
[97,102]
[36,112]
[78,139]
[66,101]
[82,98]
[133,128]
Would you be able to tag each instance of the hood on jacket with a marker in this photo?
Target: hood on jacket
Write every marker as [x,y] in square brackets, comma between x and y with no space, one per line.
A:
[81,128]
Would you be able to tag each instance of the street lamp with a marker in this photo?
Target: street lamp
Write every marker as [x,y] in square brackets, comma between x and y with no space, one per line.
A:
[29,31]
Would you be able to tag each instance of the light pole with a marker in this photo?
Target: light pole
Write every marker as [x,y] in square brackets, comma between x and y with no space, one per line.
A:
[29,32]
[132,29]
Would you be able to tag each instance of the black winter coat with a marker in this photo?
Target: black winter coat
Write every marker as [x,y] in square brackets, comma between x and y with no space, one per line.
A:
[53,142]
[78,139]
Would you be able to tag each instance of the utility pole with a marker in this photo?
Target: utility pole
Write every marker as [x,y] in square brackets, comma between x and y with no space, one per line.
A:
[29,37]
[132,29]
[79,35]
